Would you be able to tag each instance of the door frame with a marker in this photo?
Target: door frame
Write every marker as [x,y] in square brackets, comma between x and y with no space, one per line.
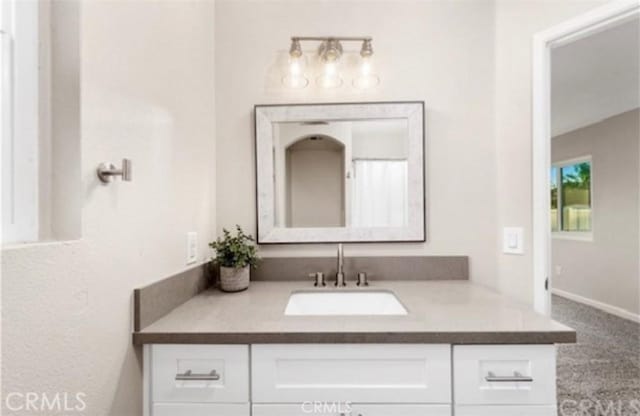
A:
[594,21]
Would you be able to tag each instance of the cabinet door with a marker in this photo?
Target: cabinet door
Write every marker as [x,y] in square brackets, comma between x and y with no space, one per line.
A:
[506,411]
[199,373]
[337,409]
[363,373]
[504,375]
[400,410]
[198,409]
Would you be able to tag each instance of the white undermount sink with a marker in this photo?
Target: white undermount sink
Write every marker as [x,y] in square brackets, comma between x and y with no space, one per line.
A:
[344,303]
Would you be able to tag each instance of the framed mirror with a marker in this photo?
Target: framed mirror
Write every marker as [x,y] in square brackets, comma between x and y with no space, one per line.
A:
[351,172]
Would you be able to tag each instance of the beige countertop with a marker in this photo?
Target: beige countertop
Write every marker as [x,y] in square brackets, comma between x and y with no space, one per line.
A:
[452,312]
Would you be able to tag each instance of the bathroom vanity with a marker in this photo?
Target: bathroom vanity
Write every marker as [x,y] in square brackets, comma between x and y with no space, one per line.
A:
[457,347]
[421,340]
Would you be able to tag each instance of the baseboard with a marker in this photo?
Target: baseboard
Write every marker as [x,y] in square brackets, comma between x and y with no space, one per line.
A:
[613,310]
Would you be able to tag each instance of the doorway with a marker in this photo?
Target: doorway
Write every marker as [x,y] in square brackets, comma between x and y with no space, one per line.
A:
[608,17]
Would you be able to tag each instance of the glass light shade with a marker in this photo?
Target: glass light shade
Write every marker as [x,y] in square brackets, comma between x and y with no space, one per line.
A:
[330,77]
[366,77]
[295,73]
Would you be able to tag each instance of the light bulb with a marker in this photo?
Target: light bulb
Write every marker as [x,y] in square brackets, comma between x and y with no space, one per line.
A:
[330,77]
[366,77]
[295,73]
[365,66]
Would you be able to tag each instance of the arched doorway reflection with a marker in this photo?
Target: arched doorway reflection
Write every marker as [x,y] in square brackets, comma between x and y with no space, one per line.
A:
[315,185]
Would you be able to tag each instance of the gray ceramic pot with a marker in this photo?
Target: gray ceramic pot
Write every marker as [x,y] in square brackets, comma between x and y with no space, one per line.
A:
[234,280]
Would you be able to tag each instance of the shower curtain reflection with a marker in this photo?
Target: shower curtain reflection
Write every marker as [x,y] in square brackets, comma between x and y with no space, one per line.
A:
[379,193]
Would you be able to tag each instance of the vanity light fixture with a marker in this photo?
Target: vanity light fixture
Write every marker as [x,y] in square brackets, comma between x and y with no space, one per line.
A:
[329,55]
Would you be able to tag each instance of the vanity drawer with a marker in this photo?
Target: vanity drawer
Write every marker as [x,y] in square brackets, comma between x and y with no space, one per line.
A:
[506,411]
[365,373]
[195,409]
[504,374]
[354,409]
[200,373]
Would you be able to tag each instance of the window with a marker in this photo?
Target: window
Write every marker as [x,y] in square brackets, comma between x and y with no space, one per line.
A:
[571,197]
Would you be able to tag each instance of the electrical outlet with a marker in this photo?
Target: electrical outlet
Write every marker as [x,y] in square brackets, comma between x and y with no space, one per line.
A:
[558,270]
[192,247]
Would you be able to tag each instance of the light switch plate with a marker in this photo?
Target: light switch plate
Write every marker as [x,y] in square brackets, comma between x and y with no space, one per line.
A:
[513,240]
[192,247]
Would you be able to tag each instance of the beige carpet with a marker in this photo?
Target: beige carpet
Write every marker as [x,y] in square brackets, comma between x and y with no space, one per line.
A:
[600,375]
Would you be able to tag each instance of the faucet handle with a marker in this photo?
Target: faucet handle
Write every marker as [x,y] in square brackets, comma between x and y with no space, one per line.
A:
[362,279]
[319,279]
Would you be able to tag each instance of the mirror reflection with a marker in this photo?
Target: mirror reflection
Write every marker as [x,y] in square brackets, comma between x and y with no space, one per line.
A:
[350,173]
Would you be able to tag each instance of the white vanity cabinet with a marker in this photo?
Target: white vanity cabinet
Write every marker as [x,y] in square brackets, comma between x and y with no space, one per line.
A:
[199,409]
[349,380]
[506,411]
[354,409]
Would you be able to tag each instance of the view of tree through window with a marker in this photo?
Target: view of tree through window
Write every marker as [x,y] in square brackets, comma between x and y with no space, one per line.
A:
[571,197]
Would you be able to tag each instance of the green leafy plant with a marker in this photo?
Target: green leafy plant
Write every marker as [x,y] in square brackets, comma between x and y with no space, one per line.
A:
[235,251]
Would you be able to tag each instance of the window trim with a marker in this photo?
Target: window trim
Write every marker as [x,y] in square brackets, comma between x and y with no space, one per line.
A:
[586,236]
[20,114]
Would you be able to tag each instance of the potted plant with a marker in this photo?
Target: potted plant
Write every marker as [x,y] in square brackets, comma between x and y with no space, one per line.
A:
[235,254]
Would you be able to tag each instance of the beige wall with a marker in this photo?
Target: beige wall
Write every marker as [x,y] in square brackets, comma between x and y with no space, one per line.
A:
[605,269]
[516,21]
[315,187]
[371,143]
[60,187]
[147,93]
[437,51]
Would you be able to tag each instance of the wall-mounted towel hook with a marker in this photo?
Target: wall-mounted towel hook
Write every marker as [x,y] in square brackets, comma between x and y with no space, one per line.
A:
[107,171]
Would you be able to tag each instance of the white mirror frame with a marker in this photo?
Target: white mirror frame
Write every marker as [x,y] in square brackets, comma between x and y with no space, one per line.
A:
[267,115]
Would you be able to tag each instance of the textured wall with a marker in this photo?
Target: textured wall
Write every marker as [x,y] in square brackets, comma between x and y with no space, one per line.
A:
[605,269]
[148,94]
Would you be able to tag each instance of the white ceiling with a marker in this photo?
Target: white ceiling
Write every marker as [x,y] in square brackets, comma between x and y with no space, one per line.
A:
[595,77]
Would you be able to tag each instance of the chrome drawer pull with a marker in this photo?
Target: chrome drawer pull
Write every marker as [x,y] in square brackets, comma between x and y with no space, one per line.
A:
[516,378]
[189,376]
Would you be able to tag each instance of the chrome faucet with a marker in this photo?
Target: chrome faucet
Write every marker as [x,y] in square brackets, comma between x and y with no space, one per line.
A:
[340,274]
